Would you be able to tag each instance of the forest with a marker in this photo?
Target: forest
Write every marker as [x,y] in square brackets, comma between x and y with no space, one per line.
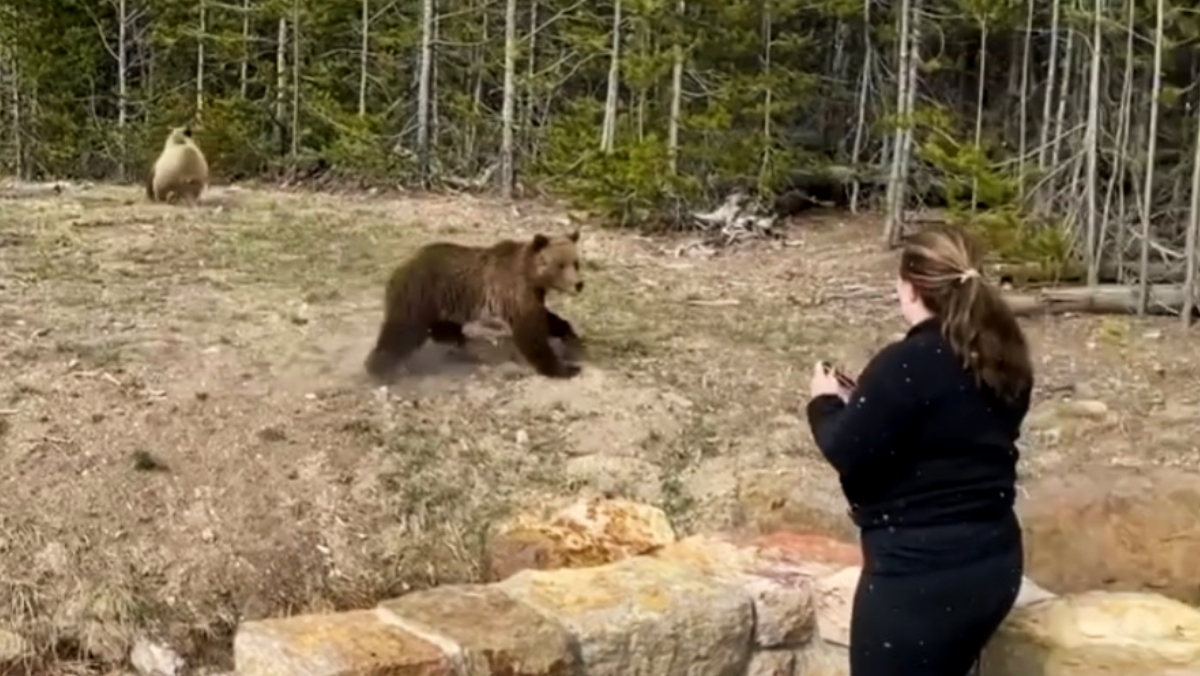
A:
[1065,131]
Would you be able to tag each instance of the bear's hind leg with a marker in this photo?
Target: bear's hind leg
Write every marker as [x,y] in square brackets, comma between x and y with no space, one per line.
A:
[531,336]
[397,340]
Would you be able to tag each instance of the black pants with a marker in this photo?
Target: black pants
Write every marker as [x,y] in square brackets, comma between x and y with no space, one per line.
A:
[929,599]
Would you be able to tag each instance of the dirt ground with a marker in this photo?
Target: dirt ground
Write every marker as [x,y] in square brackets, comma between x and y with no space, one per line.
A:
[187,438]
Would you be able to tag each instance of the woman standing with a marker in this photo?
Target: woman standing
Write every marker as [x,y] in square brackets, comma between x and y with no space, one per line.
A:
[925,450]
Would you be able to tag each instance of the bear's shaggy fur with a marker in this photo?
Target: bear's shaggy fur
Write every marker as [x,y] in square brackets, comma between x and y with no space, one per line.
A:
[180,171]
[444,286]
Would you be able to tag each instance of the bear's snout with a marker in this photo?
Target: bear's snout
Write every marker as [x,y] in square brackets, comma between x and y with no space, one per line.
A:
[578,286]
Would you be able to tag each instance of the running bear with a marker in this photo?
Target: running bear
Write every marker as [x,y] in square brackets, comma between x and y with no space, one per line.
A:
[180,171]
[443,286]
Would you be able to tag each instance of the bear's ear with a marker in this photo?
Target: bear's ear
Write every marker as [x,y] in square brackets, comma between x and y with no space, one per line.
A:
[574,236]
[540,241]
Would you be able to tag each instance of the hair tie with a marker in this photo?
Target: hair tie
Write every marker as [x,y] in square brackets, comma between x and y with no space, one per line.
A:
[969,273]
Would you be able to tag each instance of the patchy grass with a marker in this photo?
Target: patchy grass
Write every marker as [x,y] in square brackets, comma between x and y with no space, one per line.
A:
[187,439]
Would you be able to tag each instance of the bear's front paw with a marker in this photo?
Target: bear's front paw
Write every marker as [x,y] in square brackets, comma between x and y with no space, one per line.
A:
[573,349]
[566,370]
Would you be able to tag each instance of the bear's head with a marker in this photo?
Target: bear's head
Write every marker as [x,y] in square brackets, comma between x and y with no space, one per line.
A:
[180,136]
[556,262]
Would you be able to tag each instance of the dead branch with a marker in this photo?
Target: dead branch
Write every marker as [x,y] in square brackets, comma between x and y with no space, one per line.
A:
[1164,299]
[739,218]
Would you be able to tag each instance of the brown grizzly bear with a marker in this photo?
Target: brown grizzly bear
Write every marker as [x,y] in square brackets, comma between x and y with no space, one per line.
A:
[443,286]
[180,171]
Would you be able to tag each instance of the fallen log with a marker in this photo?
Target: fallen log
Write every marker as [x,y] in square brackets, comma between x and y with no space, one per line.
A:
[1162,299]
[1023,274]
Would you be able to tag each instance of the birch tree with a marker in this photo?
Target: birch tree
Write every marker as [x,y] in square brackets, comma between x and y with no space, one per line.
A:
[1151,153]
[1092,142]
[200,34]
[510,95]
[676,91]
[608,132]
[1193,233]
[423,89]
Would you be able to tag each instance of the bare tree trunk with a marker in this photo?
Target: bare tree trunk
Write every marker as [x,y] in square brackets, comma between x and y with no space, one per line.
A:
[1151,152]
[18,147]
[200,58]
[12,66]
[244,69]
[295,79]
[676,94]
[765,29]
[1092,143]
[363,54]
[479,53]
[1048,96]
[122,83]
[1064,96]
[1121,149]
[510,95]
[280,82]
[608,132]
[907,66]
[423,87]
[983,36]
[1023,124]
[863,90]
[530,73]
[1193,232]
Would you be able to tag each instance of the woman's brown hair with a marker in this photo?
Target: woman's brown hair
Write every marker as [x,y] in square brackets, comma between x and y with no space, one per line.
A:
[942,264]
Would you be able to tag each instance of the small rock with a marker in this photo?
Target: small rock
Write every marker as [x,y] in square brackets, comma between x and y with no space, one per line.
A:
[1153,334]
[1085,408]
[13,648]
[151,659]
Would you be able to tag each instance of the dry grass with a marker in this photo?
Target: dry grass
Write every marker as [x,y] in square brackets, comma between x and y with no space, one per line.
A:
[187,439]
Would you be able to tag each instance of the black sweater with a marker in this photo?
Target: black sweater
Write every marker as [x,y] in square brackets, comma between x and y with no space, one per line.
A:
[920,443]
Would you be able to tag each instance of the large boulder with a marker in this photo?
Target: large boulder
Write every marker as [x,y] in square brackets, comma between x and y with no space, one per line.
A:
[1095,634]
[644,615]
[1118,529]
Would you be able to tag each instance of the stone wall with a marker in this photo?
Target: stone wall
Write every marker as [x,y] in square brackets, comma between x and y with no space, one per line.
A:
[772,605]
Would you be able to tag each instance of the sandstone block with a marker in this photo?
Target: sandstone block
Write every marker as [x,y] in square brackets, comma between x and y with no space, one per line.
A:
[586,533]
[784,608]
[817,659]
[1098,633]
[835,601]
[490,633]
[644,617]
[342,644]
[823,658]
[1116,529]
[772,663]
[809,550]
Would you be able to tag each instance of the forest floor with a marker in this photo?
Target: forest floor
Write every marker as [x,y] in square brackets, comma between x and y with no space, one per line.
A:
[187,438]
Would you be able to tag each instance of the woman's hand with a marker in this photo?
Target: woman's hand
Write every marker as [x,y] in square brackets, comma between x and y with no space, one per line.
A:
[826,383]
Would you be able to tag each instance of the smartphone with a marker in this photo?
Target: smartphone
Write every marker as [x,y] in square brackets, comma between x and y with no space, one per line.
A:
[843,379]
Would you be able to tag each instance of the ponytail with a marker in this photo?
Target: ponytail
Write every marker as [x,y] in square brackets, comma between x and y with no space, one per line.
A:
[941,264]
[985,336]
